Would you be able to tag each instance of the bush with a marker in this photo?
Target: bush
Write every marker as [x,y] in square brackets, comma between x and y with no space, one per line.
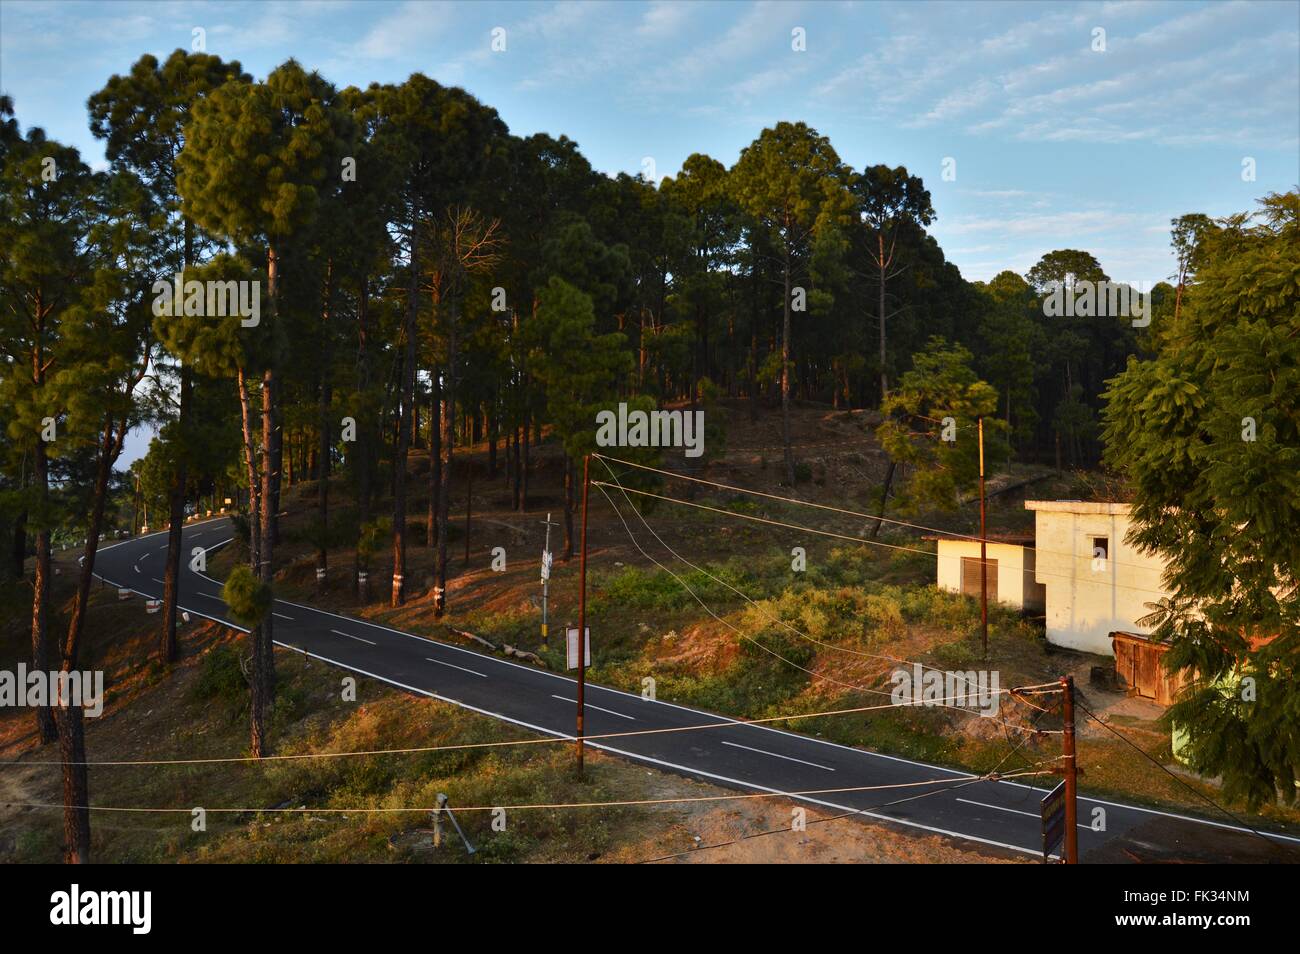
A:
[248,597]
[221,676]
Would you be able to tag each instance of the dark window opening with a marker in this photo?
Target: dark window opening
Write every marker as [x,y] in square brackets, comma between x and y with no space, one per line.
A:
[1101,548]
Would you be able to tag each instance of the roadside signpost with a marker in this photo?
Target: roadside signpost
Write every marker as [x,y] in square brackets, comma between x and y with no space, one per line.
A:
[1060,808]
[571,648]
[547,559]
[1053,811]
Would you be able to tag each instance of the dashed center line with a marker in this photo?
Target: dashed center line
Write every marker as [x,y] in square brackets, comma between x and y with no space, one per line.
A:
[778,755]
[472,672]
[282,616]
[588,705]
[1014,811]
[339,632]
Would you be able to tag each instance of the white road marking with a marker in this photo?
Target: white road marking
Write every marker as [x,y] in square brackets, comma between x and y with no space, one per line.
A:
[211,596]
[156,580]
[588,705]
[778,755]
[282,616]
[339,632]
[454,666]
[136,568]
[1014,811]
[695,771]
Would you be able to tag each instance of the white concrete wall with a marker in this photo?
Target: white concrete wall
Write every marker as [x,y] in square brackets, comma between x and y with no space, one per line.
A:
[1016,583]
[1086,602]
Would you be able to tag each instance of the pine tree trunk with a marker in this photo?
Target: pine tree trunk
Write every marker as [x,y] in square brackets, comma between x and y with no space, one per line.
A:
[176,517]
[18,542]
[72,741]
[492,428]
[447,423]
[568,509]
[323,451]
[435,459]
[76,789]
[884,498]
[785,376]
[398,596]
[523,467]
[176,502]
[884,380]
[364,450]
[469,500]
[45,727]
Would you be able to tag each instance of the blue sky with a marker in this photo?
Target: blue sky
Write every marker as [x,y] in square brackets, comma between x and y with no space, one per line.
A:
[1056,144]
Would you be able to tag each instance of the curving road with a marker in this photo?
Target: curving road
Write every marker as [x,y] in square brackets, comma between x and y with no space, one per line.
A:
[747,757]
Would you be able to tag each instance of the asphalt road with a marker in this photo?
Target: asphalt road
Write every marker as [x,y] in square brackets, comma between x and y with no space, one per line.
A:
[747,757]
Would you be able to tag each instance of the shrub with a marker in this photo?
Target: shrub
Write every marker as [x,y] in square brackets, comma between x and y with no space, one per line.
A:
[248,597]
[221,676]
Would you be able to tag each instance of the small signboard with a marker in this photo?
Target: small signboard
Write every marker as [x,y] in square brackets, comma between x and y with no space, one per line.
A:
[546,564]
[1053,809]
[571,644]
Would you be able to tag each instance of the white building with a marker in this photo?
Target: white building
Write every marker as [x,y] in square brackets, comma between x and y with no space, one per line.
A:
[1010,569]
[1096,583]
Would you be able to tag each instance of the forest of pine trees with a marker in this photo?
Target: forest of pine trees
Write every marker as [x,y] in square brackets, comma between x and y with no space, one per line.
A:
[427,279]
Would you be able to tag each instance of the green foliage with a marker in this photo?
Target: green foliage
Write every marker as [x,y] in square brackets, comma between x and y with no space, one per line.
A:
[943,459]
[578,369]
[221,677]
[249,598]
[1208,434]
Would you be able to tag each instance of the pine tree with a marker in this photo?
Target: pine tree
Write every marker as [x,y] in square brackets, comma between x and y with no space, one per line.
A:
[45,216]
[793,184]
[142,116]
[255,161]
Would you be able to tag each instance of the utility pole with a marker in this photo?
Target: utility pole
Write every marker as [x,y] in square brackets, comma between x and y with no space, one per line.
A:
[984,555]
[546,573]
[1071,772]
[582,609]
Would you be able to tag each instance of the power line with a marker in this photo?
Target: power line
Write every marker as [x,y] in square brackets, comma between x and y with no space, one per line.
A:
[829,533]
[990,775]
[1199,794]
[840,510]
[747,598]
[554,806]
[743,635]
[414,750]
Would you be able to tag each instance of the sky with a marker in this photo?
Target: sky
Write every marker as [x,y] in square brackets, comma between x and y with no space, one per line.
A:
[1035,126]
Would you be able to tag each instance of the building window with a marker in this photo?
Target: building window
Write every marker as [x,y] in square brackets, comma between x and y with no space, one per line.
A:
[1101,548]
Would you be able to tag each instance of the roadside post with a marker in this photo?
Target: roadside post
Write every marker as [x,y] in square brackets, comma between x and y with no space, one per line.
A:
[583,638]
[984,555]
[437,824]
[1052,809]
[547,559]
[1071,781]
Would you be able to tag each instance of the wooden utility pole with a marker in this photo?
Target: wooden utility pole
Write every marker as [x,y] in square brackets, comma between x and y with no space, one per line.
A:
[1071,772]
[984,555]
[582,608]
